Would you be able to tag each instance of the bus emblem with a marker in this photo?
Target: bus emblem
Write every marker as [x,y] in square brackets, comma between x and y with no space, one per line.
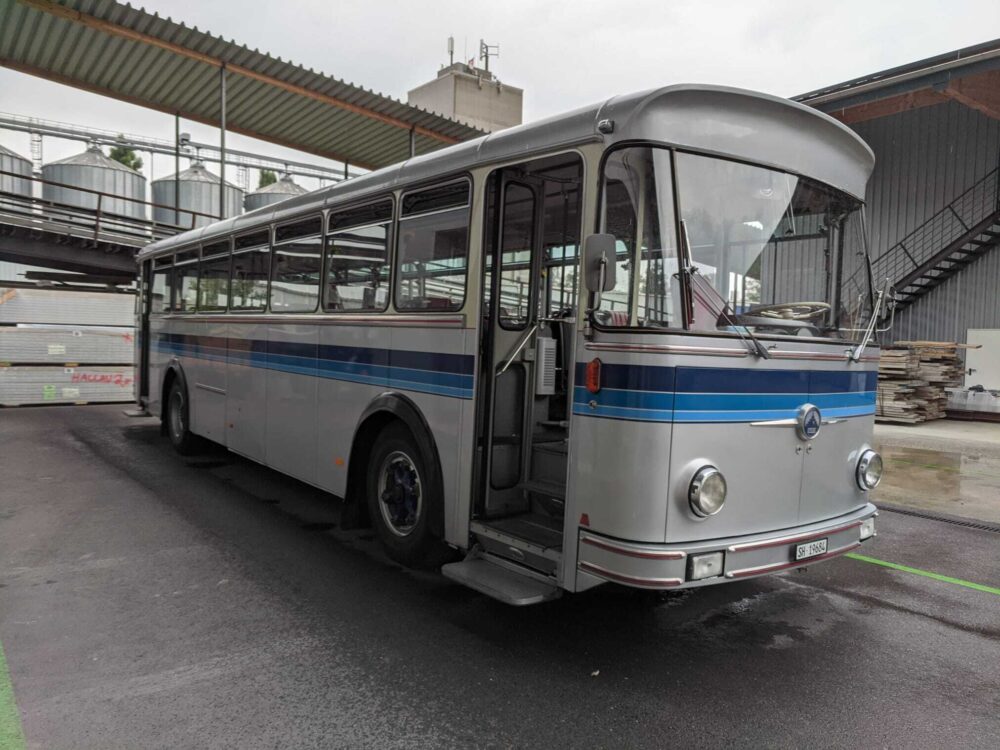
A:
[809,421]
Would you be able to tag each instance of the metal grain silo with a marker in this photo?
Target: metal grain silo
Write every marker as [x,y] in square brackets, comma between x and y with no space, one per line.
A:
[13,162]
[199,192]
[276,192]
[95,171]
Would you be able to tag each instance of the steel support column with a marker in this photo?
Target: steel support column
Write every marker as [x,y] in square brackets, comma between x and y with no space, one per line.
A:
[222,141]
[177,169]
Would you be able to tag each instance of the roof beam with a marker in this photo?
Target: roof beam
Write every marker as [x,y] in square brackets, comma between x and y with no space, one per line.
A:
[107,27]
[980,92]
[891,106]
[46,251]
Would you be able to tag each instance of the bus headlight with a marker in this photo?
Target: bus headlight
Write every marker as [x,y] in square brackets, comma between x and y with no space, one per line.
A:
[707,493]
[869,471]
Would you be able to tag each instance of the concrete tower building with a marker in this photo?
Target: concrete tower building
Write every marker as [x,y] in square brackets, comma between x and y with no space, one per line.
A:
[472,95]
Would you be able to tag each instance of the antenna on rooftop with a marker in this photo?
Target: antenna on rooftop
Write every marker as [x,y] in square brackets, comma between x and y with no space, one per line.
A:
[486,51]
[451,50]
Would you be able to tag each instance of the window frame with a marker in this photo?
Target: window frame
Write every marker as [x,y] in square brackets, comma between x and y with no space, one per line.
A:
[390,250]
[184,259]
[635,255]
[395,270]
[534,285]
[675,149]
[228,254]
[275,243]
[163,264]
[268,230]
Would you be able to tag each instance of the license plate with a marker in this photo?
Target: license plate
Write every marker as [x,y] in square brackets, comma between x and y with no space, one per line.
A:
[810,549]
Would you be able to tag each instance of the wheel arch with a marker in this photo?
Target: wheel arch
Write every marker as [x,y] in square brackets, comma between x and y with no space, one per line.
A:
[382,411]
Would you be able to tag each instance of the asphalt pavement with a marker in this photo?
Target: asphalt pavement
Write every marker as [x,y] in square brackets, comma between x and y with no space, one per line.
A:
[148,600]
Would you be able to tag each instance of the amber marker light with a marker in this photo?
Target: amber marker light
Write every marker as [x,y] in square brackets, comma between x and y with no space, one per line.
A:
[593,378]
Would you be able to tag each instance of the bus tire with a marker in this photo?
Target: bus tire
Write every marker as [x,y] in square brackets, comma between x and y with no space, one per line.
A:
[184,441]
[400,491]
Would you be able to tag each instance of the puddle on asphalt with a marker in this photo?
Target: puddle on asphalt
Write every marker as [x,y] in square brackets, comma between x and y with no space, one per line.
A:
[942,481]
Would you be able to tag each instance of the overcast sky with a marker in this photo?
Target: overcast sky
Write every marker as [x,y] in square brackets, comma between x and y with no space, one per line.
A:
[564,53]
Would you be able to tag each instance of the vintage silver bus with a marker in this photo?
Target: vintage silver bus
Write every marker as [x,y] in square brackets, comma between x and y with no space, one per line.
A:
[614,345]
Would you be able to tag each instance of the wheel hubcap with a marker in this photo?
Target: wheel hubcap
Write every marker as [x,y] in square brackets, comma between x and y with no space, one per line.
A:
[399,493]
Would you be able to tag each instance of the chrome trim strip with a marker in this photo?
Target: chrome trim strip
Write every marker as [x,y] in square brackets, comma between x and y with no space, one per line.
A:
[781,541]
[646,583]
[211,388]
[413,321]
[790,422]
[719,352]
[668,349]
[631,550]
[774,567]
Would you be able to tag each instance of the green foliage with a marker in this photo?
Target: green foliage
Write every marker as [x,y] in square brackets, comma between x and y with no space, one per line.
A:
[127,156]
[267,177]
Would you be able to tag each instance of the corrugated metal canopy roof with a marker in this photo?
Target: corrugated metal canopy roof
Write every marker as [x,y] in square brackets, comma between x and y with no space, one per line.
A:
[129,54]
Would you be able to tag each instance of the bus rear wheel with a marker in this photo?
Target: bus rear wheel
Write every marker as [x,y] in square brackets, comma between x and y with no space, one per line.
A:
[184,441]
[400,491]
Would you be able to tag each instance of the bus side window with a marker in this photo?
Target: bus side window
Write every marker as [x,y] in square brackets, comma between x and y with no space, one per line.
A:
[433,246]
[186,281]
[159,288]
[637,203]
[213,277]
[357,252]
[296,265]
[251,268]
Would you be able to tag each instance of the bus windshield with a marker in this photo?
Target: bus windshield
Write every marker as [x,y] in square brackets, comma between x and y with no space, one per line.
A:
[767,250]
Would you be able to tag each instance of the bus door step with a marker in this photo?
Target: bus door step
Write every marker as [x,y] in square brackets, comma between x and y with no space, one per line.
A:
[501,580]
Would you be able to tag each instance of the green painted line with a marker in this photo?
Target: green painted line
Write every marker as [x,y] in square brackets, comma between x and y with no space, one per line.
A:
[924,573]
[11,734]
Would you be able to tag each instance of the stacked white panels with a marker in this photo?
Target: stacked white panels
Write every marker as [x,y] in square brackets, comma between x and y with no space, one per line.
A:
[60,345]
[66,308]
[20,386]
[65,347]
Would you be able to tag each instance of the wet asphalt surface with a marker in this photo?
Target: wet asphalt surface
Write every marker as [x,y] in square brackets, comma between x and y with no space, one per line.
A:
[152,601]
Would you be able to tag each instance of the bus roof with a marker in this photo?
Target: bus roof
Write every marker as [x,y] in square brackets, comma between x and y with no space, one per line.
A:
[729,122]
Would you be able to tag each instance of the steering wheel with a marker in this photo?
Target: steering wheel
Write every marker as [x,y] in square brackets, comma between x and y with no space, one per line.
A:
[790,310]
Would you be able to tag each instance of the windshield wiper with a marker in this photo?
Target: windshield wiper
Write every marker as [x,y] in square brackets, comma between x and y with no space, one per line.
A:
[690,271]
[882,296]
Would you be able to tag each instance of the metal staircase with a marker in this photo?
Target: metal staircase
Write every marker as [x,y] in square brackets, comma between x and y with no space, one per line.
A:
[943,245]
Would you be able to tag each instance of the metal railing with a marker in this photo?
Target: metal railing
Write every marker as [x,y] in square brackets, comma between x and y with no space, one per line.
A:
[97,223]
[960,217]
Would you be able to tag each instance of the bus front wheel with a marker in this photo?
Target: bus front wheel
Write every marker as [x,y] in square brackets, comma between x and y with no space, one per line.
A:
[400,491]
[184,441]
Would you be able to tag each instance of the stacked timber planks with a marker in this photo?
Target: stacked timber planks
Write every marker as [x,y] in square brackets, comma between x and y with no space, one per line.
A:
[913,376]
[900,389]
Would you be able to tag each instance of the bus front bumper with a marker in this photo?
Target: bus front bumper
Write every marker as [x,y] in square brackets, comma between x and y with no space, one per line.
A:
[672,566]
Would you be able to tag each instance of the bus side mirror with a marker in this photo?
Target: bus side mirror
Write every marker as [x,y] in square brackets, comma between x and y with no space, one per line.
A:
[599,265]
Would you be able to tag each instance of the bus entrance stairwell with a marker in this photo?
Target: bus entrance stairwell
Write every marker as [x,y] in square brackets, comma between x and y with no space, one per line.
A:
[527,317]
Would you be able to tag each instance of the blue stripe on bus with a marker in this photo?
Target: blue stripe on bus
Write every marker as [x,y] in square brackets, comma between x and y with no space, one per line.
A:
[426,372]
[730,402]
[710,394]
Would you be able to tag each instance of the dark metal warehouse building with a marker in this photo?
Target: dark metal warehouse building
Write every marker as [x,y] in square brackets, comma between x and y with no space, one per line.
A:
[934,217]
